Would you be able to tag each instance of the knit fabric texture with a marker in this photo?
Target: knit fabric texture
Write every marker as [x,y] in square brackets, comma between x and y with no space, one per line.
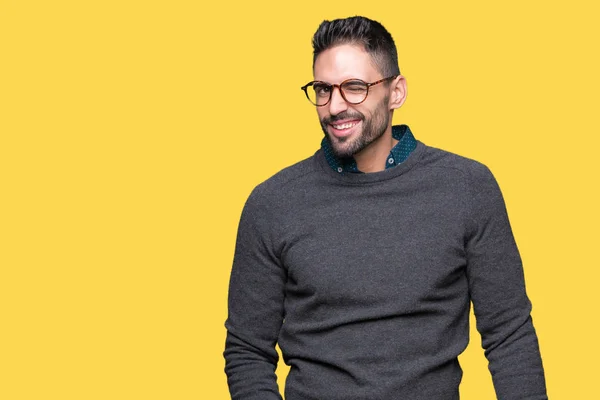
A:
[366,281]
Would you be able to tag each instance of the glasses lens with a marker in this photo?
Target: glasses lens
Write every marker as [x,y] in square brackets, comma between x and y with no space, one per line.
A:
[318,93]
[355,91]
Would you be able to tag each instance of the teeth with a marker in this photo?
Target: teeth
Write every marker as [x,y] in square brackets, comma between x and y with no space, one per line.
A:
[345,126]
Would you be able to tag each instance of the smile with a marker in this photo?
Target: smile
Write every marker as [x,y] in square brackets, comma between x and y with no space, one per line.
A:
[346,125]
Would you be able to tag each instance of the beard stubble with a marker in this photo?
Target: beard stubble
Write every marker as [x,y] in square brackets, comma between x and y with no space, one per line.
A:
[373,128]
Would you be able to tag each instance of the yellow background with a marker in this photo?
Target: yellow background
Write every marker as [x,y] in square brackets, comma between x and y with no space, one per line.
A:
[131,133]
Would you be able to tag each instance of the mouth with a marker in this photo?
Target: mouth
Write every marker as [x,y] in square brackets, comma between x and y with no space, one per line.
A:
[342,129]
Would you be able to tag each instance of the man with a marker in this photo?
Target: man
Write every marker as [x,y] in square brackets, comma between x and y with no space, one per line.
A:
[362,260]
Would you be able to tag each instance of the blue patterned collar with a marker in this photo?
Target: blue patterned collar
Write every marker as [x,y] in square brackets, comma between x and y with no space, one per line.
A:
[400,152]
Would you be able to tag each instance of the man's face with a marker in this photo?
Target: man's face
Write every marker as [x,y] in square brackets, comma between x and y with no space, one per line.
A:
[351,128]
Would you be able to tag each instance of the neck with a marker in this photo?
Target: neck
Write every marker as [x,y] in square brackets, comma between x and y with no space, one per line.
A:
[373,157]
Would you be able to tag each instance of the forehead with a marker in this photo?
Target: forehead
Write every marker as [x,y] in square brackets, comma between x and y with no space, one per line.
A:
[343,62]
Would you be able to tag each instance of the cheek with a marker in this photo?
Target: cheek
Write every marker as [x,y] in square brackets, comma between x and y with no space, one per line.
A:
[322,113]
[364,112]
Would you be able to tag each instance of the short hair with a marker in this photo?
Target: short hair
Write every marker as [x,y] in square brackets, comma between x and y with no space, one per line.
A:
[362,31]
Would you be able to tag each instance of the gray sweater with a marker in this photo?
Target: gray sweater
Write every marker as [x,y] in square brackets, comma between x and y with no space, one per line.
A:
[365,281]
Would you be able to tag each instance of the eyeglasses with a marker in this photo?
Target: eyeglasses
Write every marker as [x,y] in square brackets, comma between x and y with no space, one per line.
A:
[353,91]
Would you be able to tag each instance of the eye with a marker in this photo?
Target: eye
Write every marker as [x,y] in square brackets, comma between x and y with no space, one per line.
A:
[322,89]
[355,87]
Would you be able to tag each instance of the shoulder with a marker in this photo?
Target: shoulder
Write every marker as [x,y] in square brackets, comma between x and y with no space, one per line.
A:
[276,186]
[480,189]
[472,171]
[471,180]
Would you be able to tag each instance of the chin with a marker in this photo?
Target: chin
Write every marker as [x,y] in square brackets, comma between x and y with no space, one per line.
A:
[344,151]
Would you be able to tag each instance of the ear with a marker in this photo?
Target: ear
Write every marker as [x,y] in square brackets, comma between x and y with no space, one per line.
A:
[398,92]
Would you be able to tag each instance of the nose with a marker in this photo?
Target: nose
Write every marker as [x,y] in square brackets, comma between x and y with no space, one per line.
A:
[337,104]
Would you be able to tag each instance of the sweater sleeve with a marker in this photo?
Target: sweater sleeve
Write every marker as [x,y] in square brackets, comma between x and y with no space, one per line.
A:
[255,308]
[497,288]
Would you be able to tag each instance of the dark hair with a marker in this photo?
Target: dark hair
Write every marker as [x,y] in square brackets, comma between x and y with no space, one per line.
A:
[369,34]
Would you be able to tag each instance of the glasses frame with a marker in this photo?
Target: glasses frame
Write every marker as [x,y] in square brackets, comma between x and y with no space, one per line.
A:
[339,86]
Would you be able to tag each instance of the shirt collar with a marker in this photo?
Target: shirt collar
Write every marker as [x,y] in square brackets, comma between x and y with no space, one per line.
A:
[400,152]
